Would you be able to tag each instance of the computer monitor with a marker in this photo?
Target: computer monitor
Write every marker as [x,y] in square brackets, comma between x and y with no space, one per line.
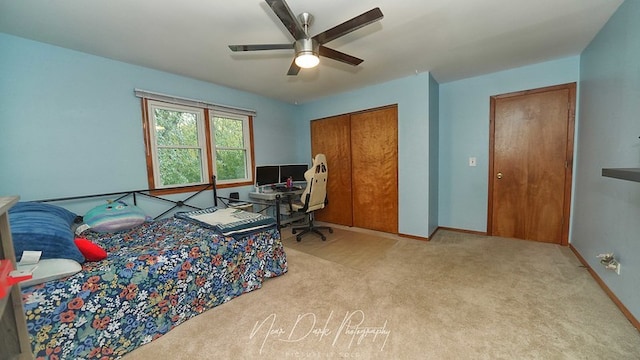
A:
[267,175]
[295,171]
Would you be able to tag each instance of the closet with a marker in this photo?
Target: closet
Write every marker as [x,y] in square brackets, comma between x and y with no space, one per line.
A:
[362,155]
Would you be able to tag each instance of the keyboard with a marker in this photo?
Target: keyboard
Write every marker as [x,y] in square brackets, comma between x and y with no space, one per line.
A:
[285,189]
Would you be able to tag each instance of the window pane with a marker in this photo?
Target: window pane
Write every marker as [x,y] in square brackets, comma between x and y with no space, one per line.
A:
[180,166]
[176,128]
[231,164]
[228,133]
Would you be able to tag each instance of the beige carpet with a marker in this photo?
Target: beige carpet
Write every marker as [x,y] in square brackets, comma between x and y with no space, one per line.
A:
[458,296]
[357,250]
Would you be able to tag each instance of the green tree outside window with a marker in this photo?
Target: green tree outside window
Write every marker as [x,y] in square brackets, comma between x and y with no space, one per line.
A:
[179,154]
[231,154]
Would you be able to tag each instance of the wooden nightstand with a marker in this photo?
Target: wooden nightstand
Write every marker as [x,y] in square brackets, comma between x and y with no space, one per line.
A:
[14,338]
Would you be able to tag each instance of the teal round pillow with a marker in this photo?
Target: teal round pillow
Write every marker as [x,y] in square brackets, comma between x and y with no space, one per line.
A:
[114,216]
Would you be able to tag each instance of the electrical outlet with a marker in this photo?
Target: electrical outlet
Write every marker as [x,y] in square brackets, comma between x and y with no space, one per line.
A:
[609,261]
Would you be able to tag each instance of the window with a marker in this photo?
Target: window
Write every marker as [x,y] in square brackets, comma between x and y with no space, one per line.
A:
[232,153]
[186,144]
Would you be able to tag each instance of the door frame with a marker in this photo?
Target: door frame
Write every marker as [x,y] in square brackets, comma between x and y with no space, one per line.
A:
[568,186]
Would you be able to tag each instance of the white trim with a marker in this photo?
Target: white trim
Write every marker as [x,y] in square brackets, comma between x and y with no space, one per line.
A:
[201,146]
[191,102]
[213,113]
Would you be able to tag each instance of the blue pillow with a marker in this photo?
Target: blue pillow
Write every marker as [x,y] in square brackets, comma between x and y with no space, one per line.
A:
[113,217]
[43,227]
[30,206]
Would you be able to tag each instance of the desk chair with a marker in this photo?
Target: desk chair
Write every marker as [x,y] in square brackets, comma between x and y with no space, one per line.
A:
[314,197]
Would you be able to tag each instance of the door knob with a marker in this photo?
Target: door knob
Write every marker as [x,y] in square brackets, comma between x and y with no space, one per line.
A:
[499,175]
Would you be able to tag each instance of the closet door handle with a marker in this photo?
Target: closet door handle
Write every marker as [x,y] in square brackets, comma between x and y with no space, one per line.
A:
[499,175]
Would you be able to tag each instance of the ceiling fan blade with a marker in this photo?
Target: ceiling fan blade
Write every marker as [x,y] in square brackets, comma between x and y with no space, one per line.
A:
[349,26]
[340,56]
[281,9]
[293,69]
[260,47]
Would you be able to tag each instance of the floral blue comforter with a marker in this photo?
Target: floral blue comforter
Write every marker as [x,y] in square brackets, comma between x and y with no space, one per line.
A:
[156,276]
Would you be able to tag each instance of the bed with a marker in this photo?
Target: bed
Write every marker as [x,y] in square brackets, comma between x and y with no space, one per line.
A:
[156,276]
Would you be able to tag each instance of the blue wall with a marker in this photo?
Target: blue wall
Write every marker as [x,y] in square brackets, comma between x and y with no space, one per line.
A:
[607,211]
[70,123]
[412,96]
[84,127]
[464,133]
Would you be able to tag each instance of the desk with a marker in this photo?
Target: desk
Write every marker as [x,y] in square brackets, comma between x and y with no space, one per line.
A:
[275,199]
[272,195]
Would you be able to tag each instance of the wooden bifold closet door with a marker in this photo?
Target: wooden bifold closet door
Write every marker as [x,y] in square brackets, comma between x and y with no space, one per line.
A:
[362,155]
[332,137]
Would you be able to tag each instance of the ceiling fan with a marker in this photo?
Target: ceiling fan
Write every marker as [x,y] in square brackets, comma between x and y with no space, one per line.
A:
[309,48]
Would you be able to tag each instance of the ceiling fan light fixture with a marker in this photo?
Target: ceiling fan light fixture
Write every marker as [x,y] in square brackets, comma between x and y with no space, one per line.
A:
[309,49]
[307,60]
[306,53]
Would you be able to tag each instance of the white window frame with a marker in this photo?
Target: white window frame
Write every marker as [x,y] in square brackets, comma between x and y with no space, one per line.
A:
[202,145]
[246,136]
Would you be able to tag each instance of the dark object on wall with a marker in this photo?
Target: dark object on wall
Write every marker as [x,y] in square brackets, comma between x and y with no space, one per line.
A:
[631,174]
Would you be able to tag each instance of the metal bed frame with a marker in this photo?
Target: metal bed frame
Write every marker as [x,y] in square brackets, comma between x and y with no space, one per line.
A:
[148,193]
[176,204]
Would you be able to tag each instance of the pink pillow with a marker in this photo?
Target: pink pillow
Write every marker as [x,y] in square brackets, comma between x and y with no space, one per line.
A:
[91,251]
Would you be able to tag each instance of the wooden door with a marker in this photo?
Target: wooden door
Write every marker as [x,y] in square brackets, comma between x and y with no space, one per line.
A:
[374,169]
[530,165]
[331,136]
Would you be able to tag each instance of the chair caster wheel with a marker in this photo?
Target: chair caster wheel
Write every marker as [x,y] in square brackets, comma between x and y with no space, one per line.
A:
[324,238]
[330,231]
[293,231]
[298,238]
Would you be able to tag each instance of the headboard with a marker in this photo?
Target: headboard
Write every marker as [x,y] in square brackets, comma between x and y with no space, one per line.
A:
[136,195]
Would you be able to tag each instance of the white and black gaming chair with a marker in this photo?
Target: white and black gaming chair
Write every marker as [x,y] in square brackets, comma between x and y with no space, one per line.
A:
[314,197]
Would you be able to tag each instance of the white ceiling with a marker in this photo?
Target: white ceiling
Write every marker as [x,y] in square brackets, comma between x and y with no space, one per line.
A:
[452,39]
